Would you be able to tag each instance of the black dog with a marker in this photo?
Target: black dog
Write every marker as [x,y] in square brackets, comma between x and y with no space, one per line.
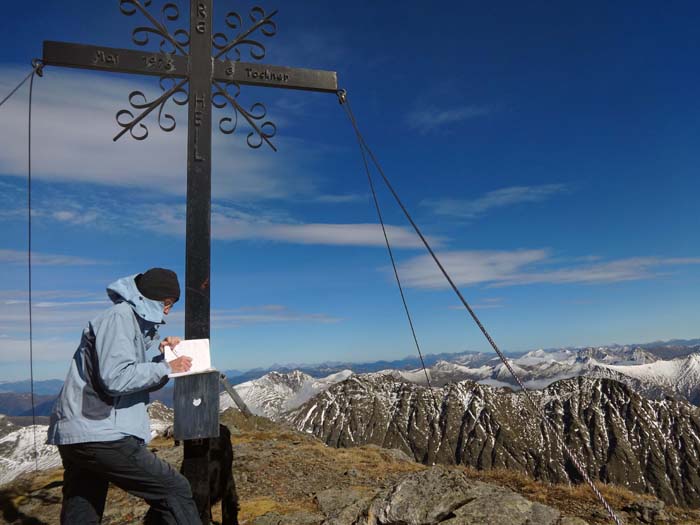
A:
[221,484]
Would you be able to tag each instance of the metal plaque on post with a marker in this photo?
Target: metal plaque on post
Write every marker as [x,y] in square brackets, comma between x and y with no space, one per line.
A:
[196,406]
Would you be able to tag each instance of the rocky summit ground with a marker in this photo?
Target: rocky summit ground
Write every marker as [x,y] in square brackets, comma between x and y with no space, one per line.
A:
[288,478]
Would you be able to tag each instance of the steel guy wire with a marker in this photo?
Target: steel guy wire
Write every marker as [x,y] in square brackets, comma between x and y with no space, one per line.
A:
[37,69]
[403,296]
[31,74]
[343,98]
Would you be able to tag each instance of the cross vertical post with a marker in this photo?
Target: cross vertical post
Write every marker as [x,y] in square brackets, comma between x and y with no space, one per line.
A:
[198,226]
[195,464]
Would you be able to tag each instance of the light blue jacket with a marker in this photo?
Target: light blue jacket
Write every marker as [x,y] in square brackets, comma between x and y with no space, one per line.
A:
[106,392]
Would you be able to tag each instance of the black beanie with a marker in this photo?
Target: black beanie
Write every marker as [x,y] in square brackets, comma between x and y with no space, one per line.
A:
[158,284]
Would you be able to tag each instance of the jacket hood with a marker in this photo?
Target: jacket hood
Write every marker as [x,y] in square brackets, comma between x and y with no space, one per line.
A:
[125,289]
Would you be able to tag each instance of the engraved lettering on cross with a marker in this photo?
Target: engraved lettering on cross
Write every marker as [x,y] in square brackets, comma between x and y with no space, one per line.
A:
[202,15]
[197,156]
[105,58]
[162,63]
[267,75]
[200,101]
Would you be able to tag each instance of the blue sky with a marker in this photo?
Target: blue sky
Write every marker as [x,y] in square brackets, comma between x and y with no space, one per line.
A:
[549,150]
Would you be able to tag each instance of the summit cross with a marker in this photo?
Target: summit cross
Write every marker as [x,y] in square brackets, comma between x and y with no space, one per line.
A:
[196,69]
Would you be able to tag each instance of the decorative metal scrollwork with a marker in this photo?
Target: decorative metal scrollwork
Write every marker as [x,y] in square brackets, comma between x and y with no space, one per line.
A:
[234,21]
[172,89]
[170,12]
[263,130]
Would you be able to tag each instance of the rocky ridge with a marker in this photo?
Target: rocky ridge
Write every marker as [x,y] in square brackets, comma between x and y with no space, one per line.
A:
[623,438]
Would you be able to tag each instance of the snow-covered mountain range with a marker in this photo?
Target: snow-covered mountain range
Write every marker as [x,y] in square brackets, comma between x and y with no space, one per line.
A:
[277,393]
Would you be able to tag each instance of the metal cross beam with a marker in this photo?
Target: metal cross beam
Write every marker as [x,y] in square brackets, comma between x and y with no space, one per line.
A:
[195,69]
[160,64]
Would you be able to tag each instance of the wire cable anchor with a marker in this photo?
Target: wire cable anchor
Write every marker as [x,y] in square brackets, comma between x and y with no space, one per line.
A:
[38,66]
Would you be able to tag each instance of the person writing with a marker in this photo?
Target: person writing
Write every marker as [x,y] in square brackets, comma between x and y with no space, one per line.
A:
[99,421]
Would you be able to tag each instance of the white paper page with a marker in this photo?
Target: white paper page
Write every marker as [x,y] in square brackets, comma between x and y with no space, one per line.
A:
[197,350]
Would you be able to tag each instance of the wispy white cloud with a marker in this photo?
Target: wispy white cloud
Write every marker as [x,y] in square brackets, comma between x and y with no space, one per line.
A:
[231,224]
[74,123]
[55,317]
[264,308]
[630,269]
[483,304]
[57,304]
[74,217]
[467,267]
[324,234]
[521,267]
[267,314]
[430,119]
[63,295]
[44,259]
[501,198]
[340,199]
[59,350]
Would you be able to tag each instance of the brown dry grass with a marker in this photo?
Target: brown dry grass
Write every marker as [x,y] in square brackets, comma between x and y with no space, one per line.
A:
[373,461]
[263,435]
[575,500]
[255,507]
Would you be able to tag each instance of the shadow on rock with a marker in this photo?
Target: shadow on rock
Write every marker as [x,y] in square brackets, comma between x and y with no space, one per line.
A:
[11,514]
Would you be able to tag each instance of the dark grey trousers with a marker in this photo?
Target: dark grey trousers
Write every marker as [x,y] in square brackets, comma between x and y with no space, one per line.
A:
[90,467]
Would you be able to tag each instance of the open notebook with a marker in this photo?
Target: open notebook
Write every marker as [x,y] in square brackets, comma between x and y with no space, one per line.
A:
[197,349]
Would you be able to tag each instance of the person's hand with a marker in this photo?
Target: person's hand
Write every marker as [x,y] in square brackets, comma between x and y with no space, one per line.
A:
[172,341]
[181,364]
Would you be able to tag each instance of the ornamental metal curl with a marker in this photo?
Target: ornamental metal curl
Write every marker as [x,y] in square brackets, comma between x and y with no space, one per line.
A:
[262,132]
[170,12]
[138,101]
[234,21]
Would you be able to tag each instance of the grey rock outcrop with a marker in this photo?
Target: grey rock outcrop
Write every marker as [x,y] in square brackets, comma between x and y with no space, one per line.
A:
[447,497]
[435,496]
[345,506]
[296,518]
